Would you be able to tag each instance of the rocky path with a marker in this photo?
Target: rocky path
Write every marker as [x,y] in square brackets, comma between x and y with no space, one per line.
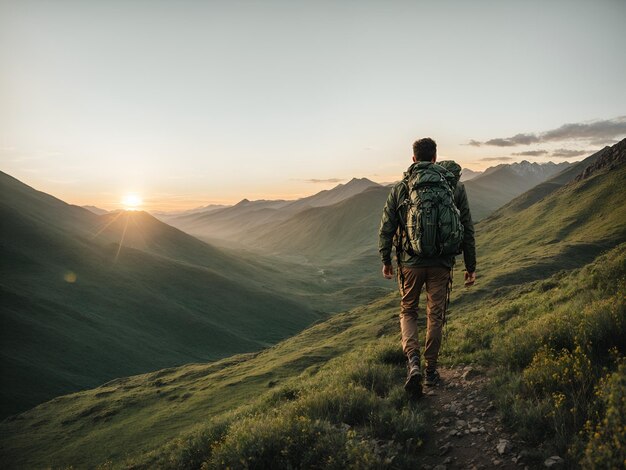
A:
[467,432]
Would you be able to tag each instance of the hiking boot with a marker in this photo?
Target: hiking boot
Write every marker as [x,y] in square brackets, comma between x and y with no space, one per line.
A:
[413,382]
[432,378]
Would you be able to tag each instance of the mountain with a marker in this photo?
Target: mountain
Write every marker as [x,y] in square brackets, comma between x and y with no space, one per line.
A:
[341,231]
[96,210]
[87,298]
[196,210]
[542,232]
[467,174]
[555,182]
[547,299]
[236,222]
[498,185]
[339,193]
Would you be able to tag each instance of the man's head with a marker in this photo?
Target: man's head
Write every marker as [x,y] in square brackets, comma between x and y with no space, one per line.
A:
[425,150]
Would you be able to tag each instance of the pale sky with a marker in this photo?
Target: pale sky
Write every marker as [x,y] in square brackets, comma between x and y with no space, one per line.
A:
[187,103]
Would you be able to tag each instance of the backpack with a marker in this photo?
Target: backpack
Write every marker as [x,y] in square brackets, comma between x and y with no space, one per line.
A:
[454,168]
[433,222]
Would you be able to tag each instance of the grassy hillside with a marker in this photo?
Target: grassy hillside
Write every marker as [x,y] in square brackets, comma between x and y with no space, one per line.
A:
[553,183]
[334,390]
[547,315]
[497,186]
[78,309]
[337,232]
[565,230]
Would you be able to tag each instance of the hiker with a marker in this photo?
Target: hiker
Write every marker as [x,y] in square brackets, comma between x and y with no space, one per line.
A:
[427,218]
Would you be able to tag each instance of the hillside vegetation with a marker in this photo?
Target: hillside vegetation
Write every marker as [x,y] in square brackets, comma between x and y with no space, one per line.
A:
[78,308]
[332,395]
[547,318]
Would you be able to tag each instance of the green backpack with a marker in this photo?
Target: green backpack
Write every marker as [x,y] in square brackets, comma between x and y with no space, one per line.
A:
[433,222]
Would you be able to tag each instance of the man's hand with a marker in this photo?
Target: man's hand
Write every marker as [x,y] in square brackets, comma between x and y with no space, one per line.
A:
[470,279]
[388,271]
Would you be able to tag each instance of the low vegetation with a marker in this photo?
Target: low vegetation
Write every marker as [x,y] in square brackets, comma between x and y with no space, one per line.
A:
[353,412]
[555,350]
[558,346]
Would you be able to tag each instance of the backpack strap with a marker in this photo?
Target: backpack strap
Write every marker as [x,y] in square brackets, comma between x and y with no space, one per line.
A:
[402,224]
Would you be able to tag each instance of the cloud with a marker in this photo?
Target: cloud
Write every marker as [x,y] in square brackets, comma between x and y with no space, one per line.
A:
[598,132]
[567,153]
[327,180]
[496,159]
[531,153]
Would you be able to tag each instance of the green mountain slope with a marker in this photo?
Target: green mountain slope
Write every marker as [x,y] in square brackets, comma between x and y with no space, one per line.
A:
[566,229]
[552,184]
[540,283]
[498,185]
[78,309]
[346,370]
[337,232]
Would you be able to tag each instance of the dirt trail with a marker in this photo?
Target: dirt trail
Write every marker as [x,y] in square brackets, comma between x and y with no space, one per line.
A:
[467,432]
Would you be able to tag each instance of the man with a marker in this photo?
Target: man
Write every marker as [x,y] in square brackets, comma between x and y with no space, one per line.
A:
[415,271]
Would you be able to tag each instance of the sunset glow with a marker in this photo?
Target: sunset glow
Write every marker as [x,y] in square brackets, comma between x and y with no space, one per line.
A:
[132,202]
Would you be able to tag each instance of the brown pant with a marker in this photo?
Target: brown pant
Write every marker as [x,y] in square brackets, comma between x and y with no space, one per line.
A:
[436,279]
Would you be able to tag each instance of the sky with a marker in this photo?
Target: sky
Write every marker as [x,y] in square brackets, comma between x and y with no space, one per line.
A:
[186,103]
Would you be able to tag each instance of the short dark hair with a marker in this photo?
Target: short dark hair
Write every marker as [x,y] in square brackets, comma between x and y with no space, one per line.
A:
[425,150]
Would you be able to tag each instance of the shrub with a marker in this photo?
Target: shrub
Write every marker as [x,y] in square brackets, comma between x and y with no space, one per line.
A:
[291,441]
[351,404]
[379,378]
[607,444]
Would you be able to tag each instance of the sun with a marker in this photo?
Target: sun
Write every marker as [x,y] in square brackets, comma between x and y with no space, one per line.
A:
[131,202]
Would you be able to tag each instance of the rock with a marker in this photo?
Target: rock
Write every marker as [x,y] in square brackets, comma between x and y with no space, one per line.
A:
[448,460]
[445,420]
[503,446]
[553,462]
[440,467]
[490,406]
[474,430]
[460,423]
[496,462]
[470,373]
[482,430]
[444,449]
[441,429]
[475,421]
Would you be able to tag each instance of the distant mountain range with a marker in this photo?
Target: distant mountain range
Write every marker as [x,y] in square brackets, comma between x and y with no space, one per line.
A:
[96,210]
[499,184]
[238,221]
[467,174]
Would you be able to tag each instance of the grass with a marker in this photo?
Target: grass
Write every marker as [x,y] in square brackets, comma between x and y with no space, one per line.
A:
[554,344]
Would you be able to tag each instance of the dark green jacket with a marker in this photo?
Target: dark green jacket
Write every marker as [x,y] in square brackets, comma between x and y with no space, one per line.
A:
[391,221]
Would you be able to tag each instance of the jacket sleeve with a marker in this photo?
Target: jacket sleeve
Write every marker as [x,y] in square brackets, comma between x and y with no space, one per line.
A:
[388,226]
[469,243]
